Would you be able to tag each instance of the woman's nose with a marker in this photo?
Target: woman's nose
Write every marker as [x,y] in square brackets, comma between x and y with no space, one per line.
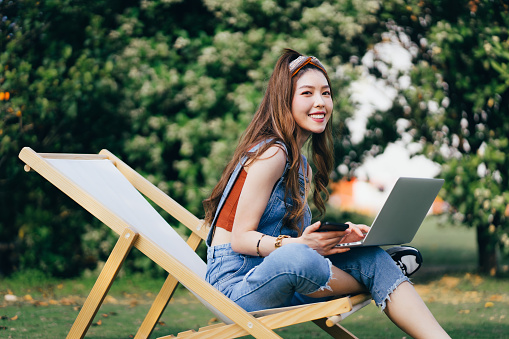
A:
[319,102]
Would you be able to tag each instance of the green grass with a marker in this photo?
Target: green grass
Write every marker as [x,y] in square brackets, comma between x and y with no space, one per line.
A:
[458,297]
[114,320]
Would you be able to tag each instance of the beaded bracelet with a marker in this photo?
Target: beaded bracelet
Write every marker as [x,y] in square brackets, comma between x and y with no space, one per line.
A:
[258,245]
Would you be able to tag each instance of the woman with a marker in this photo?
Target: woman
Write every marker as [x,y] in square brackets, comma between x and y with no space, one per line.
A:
[263,252]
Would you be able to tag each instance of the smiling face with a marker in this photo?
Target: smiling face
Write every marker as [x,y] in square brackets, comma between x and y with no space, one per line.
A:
[311,103]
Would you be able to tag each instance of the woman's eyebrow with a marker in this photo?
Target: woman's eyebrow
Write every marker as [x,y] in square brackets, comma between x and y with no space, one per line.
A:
[310,86]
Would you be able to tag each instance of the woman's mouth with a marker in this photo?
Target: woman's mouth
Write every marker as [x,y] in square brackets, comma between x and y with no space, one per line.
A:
[317,116]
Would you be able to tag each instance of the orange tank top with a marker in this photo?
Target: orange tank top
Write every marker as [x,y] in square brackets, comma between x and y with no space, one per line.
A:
[227,214]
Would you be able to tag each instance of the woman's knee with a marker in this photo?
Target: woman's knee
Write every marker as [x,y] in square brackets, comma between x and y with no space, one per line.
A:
[301,260]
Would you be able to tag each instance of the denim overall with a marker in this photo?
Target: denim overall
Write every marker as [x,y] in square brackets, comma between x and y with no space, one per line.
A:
[289,273]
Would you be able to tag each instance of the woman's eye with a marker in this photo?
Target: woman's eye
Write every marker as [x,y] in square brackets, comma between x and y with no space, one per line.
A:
[326,93]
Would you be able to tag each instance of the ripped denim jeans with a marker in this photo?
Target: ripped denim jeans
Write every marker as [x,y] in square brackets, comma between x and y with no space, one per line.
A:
[288,274]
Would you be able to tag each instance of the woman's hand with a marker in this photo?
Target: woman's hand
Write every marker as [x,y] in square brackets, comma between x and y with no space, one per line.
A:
[324,242]
[357,233]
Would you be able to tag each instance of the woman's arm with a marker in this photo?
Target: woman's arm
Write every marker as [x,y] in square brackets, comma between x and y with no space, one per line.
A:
[262,175]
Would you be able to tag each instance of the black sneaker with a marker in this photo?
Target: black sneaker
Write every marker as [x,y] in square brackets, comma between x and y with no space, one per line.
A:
[408,258]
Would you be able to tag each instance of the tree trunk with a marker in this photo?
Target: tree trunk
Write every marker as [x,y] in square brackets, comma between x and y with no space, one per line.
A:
[487,251]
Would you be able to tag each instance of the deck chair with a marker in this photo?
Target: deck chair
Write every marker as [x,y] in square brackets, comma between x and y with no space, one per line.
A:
[114,193]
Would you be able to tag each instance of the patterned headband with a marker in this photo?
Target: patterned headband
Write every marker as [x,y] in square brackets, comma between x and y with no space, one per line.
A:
[297,64]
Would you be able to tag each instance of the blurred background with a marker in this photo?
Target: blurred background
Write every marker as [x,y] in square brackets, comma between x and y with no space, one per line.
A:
[421,89]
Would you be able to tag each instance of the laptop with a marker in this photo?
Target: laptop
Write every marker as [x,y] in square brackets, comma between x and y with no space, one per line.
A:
[402,213]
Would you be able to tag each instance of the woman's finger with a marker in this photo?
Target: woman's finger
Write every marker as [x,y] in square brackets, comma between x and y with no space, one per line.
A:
[312,228]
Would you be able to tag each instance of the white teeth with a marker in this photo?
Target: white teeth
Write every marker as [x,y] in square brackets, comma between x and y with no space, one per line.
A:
[318,116]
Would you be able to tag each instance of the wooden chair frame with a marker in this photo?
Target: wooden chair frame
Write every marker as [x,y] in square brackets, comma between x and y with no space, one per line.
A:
[258,324]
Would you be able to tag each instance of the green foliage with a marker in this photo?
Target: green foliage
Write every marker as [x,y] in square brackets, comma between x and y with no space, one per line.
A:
[168,86]
[457,107]
[60,90]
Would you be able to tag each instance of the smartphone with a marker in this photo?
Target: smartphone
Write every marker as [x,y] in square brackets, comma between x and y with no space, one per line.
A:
[327,226]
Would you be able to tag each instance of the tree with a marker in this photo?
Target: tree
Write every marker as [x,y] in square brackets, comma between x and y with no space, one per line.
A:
[457,108]
[168,86]
[60,88]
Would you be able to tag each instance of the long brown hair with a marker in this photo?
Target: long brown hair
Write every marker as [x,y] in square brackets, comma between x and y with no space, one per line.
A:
[274,120]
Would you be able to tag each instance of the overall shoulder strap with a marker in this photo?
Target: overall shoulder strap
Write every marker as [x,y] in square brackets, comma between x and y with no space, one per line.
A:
[304,166]
[233,178]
